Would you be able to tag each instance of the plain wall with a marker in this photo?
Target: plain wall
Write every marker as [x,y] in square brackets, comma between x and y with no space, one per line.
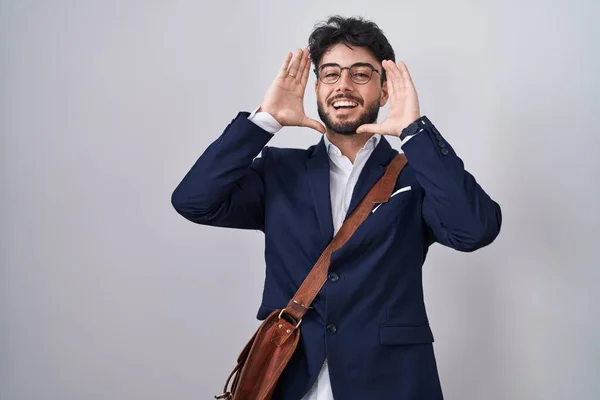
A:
[106,293]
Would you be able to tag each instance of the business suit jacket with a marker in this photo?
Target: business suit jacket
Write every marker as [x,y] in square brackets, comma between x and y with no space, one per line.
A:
[369,319]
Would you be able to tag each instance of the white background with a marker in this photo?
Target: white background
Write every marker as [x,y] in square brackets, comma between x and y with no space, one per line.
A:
[106,293]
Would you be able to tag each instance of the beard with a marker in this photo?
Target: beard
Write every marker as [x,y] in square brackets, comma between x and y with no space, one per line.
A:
[349,127]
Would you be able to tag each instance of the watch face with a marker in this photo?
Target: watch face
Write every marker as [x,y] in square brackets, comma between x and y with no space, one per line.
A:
[412,129]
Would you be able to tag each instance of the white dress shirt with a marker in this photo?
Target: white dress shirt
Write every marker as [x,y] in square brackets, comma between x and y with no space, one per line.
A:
[343,176]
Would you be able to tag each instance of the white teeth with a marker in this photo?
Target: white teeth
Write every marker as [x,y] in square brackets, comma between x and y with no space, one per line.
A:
[344,103]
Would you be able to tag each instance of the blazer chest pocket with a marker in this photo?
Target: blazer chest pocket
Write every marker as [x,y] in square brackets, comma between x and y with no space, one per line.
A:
[405,334]
[400,195]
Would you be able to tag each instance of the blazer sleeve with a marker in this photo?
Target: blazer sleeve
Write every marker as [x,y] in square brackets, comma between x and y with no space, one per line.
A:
[225,186]
[457,211]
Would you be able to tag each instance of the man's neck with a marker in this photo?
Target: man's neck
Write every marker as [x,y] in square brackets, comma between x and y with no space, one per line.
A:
[349,145]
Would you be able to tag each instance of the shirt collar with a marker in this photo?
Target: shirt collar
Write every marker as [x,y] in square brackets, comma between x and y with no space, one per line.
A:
[369,145]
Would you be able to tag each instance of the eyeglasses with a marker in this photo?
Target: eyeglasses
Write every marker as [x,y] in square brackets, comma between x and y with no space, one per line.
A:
[360,73]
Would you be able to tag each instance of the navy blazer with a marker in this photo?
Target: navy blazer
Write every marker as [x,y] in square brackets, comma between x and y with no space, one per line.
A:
[369,319]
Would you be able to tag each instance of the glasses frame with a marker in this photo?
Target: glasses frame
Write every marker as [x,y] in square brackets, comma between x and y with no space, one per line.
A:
[373,69]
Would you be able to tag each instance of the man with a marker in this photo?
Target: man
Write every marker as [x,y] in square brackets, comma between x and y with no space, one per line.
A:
[367,336]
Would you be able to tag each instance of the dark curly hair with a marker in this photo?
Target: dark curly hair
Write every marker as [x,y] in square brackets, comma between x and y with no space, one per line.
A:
[352,31]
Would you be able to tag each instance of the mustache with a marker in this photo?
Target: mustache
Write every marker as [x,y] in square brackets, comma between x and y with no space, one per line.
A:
[345,97]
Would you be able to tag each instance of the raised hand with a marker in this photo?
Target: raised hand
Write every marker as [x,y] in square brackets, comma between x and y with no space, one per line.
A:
[284,99]
[404,102]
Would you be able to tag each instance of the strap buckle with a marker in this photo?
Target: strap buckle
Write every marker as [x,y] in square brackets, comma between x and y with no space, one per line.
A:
[281,313]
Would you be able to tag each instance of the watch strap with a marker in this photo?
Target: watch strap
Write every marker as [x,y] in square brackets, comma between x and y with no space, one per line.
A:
[415,127]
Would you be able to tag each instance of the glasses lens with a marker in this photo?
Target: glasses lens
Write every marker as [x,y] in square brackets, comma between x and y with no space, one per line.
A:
[361,74]
[330,73]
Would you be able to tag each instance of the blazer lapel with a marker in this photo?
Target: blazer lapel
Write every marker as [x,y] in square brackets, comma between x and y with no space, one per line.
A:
[318,178]
[372,171]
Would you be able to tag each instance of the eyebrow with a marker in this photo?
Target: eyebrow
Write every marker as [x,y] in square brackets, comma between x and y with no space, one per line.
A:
[358,64]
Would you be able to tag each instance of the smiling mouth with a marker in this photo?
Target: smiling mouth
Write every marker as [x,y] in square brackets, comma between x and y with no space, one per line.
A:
[344,104]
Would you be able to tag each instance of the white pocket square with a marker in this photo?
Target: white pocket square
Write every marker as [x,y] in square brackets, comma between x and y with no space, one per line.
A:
[404,189]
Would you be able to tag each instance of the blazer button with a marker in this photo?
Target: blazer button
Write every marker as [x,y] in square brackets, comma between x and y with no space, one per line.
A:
[444,151]
[333,277]
[331,328]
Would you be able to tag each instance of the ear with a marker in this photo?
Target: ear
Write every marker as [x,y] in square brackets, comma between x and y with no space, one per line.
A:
[316,86]
[384,94]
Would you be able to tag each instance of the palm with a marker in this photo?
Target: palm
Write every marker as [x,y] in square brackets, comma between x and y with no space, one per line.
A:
[288,95]
[404,102]
[284,99]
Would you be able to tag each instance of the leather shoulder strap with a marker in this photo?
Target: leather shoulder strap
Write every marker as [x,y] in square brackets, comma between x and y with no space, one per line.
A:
[379,193]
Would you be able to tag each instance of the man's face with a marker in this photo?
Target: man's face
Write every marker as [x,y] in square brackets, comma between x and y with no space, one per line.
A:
[368,97]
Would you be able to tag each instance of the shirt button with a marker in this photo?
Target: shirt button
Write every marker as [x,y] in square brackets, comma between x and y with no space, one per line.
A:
[333,277]
[331,328]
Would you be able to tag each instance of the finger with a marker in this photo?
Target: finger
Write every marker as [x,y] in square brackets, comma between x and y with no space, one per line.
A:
[285,65]
[405,75]
[388,65]
[369,128]
[311,123]
[395,75]
[293,70]
[303,63]
[306,72]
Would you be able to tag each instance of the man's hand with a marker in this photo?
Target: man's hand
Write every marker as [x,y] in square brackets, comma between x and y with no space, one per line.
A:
[284,99]
[404,103]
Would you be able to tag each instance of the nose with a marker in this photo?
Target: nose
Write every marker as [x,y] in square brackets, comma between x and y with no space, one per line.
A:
[345,82]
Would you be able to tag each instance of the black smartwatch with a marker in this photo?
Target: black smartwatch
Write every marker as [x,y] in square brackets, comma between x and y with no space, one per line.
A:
[415,127]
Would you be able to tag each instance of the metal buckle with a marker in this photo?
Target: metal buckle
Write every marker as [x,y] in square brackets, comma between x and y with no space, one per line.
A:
[281,313]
